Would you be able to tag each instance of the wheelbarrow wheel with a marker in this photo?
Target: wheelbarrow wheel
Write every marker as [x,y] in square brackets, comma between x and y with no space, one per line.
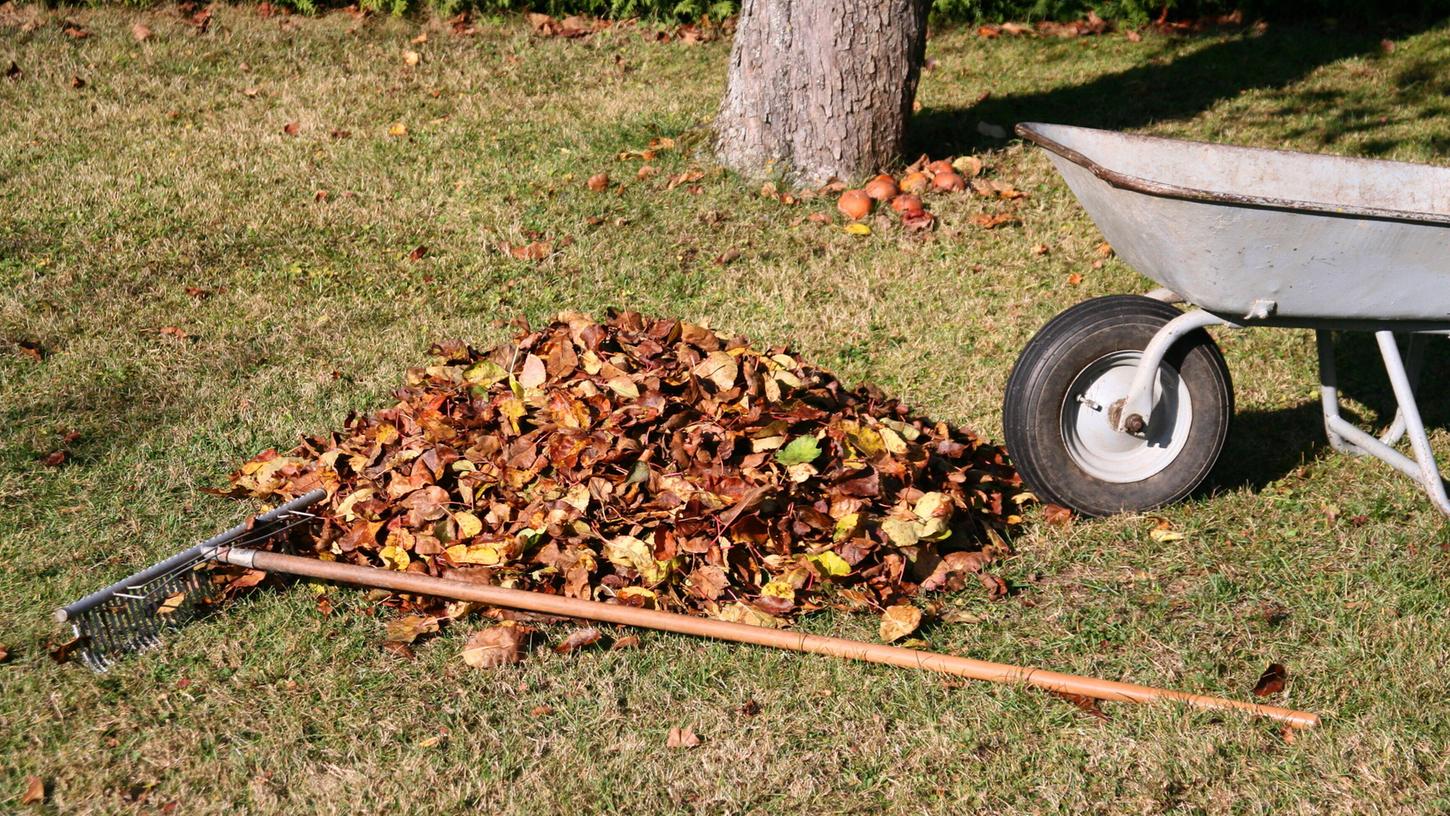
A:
[1060,393]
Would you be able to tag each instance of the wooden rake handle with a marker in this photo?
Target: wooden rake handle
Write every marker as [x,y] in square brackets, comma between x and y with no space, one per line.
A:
[744,633]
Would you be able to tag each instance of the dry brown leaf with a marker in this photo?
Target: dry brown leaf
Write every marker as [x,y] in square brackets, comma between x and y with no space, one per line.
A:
[993,221]
[534,251]
[409,628]
[682,738]
[1056,515]
[1272,681]
[496,646]
[899,621]
[599,182]
[626,642]
[578,639]
[34,791]
[1088,705]
[140,32]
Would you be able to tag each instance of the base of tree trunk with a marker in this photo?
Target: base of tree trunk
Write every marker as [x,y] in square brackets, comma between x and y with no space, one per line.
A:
[820,89]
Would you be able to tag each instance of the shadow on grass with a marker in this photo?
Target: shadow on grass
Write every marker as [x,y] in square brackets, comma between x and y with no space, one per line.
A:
[1265,446]
[1165,88]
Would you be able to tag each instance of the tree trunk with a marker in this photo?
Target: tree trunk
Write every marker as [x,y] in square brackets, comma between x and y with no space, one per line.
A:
[820,89]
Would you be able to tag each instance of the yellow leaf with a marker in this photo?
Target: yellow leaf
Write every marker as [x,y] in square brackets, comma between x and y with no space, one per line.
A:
[646,597]
[899,621]
[395,557]
[857,229]
[468,524]
[741,613]
[171,604]
[513,410]
[1165,536]
[830,564]
[398,129]
[779,588]
[483,554]
[846,526]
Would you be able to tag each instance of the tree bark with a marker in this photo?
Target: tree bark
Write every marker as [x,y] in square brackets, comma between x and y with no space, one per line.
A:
[820,89]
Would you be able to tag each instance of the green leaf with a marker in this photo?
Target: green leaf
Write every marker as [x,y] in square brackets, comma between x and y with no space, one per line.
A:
[801,450]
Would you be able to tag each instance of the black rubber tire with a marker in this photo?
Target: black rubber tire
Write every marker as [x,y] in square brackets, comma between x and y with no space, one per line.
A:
[1063,349]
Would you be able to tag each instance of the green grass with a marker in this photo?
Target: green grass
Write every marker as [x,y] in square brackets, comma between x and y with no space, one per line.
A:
[167,170]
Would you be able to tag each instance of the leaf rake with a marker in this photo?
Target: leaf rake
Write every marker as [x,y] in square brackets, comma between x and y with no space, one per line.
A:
[129,615]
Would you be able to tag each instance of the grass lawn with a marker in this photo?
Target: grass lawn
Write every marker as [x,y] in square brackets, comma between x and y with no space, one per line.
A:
[169,168]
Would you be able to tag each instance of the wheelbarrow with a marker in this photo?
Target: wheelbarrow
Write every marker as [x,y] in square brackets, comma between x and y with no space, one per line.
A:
[1123,403]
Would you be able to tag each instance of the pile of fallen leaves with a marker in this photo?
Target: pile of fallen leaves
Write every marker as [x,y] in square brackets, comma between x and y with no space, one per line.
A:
[654,463]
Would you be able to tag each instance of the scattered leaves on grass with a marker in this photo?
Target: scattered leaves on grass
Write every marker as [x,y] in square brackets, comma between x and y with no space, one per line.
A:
[857,229]
[34,791]
[599,182]
[409,628]
[140,32]
[1074,279]
[578,639]
[4,653]
[652,463]
[13,71]
[899,621]
[292,128]
[397,130]
[1086,704]
[399,650]
[31,349]
[1163,532]
[994,220]
[496,645]
[626,642]
[1056,515]
[541,710]
[571,27]
[750,708]
[55,458]
[76,82]
[411,58]
[418,252]
[1272,680]
[682,738]
[61,652]
[174,332]
[74,31]
[533,251]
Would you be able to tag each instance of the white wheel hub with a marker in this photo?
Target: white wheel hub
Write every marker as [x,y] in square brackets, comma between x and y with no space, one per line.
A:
[1120,457]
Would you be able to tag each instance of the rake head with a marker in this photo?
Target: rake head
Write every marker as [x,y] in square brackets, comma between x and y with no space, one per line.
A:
[129,615]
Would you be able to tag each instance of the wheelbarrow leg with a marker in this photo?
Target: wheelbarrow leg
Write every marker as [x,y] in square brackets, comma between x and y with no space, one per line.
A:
[1416,356]
[1346,437]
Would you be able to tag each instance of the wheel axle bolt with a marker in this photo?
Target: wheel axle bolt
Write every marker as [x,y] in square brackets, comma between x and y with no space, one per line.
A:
[1134,424]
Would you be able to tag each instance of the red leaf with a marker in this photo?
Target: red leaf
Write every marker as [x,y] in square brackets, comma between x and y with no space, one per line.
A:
[1272,680]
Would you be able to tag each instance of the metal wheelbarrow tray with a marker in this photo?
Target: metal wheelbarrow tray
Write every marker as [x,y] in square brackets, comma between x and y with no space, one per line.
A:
[1123,402]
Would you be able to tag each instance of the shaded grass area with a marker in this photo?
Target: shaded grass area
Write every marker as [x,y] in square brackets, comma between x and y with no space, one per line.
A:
[170,169]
